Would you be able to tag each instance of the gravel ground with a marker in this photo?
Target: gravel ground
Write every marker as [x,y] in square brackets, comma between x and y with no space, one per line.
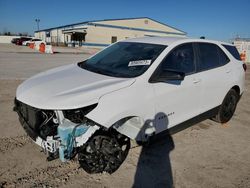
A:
[207,154]
[24,65]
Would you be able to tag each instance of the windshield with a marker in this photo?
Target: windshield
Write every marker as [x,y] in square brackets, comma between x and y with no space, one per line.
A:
[124,59]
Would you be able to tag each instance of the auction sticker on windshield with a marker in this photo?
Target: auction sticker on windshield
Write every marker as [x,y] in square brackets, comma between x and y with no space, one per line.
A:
[139,63]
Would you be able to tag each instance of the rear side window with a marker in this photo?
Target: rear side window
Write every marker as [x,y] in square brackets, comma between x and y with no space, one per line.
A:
[223,57]
[208,56]
[233,51]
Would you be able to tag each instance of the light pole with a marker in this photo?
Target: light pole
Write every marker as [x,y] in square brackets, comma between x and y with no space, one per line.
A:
[37,22]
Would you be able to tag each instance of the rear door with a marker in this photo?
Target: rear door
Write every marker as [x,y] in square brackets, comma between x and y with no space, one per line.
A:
[214,72]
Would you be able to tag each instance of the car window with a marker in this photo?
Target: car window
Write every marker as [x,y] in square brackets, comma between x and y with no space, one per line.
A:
[233,51]
[223,57]
[181,59]
[124,59]
[208,56]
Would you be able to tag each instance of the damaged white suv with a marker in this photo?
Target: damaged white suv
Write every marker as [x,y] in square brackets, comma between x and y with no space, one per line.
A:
[133,89]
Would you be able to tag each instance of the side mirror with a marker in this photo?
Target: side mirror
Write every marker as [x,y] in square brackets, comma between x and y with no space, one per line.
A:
[168,75]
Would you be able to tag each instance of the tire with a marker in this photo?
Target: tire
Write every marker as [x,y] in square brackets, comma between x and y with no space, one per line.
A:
[103,153]
[227,108]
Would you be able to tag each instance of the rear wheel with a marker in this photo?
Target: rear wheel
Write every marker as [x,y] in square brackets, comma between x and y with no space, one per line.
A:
[103,152]
[227,108]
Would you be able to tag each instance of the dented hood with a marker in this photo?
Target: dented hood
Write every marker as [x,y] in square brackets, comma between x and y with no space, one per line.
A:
[68,87]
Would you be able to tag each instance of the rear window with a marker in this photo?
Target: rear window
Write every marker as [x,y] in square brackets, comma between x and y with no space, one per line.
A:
[233,51]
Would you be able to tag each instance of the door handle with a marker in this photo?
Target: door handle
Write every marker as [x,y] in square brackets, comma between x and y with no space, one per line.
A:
[228,71]
[195,81]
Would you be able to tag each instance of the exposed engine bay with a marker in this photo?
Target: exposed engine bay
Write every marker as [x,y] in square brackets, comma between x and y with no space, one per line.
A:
[66,133]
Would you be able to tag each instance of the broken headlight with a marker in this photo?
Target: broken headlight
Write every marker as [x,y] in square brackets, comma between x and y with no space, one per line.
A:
[78,115]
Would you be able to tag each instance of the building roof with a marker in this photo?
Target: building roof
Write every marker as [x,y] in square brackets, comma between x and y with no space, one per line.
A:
[93,21]
[242,39]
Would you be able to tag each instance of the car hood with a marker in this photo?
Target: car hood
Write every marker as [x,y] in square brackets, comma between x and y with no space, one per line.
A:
[68,87]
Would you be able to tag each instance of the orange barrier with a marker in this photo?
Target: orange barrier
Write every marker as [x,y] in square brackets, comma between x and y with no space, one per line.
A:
[243,56]
[32,45]
[42,48]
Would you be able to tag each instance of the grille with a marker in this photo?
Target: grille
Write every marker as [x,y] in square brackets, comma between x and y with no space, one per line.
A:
[32,120]
[31,115]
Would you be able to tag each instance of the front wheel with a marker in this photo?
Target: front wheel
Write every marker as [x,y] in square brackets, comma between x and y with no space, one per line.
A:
[227,108]
[103,153]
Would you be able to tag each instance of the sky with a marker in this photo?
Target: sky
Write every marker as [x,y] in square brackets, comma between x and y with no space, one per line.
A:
[214,19]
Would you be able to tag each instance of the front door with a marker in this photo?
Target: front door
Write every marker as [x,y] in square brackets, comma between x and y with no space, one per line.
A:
[177,101]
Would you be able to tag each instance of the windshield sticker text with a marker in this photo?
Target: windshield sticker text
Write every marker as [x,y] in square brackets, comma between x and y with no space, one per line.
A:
[139,63]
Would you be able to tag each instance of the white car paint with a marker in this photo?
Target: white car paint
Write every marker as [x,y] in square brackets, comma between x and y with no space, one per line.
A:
[140,103]
[192,97]
[82,88]
[26,43]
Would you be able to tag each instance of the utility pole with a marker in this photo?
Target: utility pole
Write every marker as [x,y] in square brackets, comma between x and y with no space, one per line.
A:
[37,22]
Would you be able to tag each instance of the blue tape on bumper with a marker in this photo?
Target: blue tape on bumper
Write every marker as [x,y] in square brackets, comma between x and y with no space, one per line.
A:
[67,133]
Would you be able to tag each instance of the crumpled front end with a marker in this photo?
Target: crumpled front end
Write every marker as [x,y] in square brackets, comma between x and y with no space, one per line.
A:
[58,132]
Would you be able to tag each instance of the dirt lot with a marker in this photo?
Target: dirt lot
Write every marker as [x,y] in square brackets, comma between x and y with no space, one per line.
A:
[205,155]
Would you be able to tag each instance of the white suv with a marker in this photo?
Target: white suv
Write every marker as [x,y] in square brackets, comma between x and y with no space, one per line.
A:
[133,89]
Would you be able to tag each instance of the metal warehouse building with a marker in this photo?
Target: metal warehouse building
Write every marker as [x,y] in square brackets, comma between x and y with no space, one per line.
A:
[101,33]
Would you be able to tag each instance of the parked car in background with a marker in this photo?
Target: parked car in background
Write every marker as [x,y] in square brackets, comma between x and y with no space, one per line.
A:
[14,40]
[27,43]
[22,39]
[133,89]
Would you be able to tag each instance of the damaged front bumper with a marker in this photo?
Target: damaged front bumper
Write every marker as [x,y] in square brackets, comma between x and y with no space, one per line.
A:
[57,135]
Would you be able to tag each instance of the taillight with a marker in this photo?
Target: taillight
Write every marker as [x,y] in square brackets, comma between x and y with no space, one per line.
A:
[244,67]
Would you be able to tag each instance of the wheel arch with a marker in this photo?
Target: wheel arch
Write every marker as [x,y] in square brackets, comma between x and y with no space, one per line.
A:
[237,89]
[131,126]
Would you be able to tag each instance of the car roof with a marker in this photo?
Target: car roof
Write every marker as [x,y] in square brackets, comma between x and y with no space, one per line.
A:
[169,40]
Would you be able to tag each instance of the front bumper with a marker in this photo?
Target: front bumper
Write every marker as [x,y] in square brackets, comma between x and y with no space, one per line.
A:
[68,135]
